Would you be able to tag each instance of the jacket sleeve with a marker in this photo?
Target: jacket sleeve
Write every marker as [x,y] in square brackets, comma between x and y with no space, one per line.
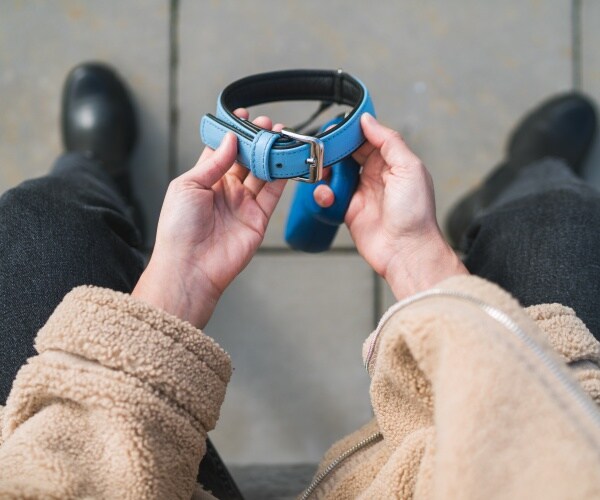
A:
[475,402]
[116,404]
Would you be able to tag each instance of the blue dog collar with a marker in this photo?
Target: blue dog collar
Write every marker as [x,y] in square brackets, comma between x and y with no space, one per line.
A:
[287,154]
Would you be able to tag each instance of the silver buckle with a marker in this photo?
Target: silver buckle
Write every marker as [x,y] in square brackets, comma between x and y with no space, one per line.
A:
[315,172]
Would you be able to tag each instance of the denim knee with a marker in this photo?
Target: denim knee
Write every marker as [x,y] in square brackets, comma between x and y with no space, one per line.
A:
[73,226]
[543,248]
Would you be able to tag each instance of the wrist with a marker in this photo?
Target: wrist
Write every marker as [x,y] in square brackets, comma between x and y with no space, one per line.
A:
[188,296]
[425,263]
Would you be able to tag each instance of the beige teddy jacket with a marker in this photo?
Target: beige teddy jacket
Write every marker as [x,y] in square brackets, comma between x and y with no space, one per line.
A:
[470,401]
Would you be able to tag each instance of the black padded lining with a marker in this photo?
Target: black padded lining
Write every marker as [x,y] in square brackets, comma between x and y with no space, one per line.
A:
[292,85]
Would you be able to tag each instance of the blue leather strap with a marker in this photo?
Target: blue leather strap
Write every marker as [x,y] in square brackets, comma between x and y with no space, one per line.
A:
[273,156]
[261,147]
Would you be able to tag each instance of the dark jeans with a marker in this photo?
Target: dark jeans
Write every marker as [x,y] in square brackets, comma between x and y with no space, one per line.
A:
[66,229]
[540,240]
[69,228]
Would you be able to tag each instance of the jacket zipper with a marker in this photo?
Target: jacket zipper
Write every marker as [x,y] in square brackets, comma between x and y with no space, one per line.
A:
[572,388]
[582,400]
[373,438]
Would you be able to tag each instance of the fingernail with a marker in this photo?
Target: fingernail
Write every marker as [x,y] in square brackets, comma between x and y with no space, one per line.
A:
[229,136]
[369,118]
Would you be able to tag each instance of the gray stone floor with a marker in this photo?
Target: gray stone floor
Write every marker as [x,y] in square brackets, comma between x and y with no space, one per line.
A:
[452,76]
[273,482]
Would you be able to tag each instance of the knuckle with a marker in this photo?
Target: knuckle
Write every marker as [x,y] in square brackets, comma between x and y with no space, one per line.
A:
[270,189]
[419,165]
[415,165]
[397,136]
[262,121]
[415,162]
[175,185]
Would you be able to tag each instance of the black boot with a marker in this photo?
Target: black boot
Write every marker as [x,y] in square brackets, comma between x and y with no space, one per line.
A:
[562,127]
[98,119]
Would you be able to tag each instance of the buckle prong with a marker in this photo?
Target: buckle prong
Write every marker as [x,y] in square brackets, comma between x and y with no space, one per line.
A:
[315,171]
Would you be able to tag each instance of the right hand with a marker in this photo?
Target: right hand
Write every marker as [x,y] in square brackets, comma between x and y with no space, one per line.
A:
[391,216]
[213,219]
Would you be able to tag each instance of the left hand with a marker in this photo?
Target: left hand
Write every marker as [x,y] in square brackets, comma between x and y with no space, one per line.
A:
[392,217]
[213,219]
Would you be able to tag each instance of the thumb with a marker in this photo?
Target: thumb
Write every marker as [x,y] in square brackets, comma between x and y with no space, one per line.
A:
[388,141]
[324,196]
[209,170]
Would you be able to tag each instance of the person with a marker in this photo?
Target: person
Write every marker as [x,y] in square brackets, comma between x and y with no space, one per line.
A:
[473,394]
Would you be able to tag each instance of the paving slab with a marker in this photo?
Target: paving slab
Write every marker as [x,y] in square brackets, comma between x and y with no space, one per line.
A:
[294,326]
[41,41]
[453,77]
[273,482]
[590,74]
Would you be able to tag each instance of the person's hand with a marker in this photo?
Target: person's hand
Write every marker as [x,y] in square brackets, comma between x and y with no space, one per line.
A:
[212,222]
[391,216]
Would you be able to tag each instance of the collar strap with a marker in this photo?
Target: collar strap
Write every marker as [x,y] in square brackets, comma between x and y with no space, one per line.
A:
[283,155]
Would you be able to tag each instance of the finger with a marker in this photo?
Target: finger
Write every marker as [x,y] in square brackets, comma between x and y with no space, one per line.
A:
[362,154]
[206,153]
[239,171]
[323,196]
[364,151]
[208,171]
[263,122]
[242,113]
[392,146]
[254,184]
[269,195]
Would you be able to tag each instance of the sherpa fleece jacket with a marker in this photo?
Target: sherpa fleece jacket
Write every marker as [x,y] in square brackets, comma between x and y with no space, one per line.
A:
[116,405]
[473,397]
